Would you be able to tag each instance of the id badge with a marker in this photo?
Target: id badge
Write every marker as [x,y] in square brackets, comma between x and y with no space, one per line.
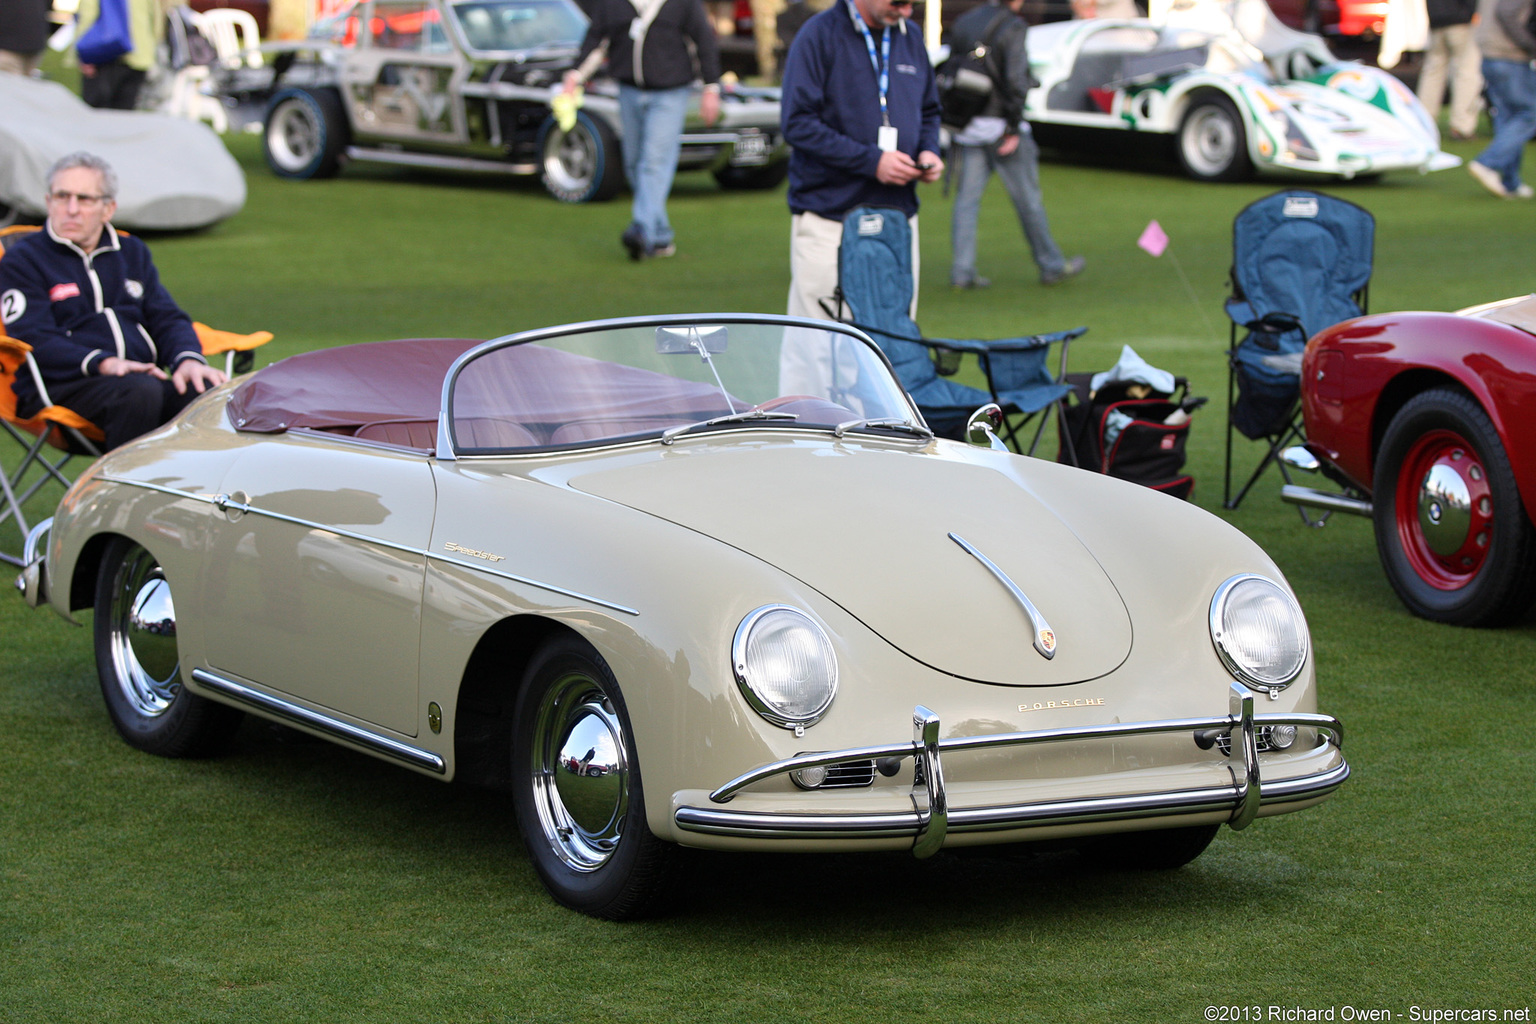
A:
[886,140]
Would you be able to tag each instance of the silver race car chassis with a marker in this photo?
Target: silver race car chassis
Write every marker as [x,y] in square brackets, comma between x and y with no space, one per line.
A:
[932,819]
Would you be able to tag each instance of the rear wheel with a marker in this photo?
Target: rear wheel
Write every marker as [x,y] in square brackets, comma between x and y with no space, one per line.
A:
[577,790]
[1211,142]
[1453,535]
[140,666]
[583,165]
[1156,850]
[305,133]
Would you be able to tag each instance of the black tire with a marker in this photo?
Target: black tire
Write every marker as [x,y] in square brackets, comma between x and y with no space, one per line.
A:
[305,133]
[583,165]
[762,177]
[1212,144]
[582,812]
[1164,849]
[139,665]
[1462,551]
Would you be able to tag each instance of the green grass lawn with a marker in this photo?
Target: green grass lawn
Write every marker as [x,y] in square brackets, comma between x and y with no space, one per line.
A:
[295,881]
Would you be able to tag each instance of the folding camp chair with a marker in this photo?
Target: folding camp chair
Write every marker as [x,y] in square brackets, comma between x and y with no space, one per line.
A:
[875,295]
[1301,261]
[50,439]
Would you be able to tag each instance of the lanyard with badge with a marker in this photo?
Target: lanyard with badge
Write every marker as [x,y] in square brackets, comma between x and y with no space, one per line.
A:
[886,139]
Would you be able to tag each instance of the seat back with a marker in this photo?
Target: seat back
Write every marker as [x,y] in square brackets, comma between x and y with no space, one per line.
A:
[234,35]
[1301,261]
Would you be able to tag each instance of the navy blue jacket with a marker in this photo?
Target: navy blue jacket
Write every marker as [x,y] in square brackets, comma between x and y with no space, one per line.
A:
[75,309]
[831,114]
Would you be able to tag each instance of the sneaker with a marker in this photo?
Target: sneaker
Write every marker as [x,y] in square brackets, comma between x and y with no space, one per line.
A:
[1462,136]
[1071,268]
[974,282]
[662,251]
[633,240]
[1522,191]
[1488,178]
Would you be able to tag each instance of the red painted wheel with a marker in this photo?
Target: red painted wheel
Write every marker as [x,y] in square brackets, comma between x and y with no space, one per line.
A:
[1453,535]
[1444,510]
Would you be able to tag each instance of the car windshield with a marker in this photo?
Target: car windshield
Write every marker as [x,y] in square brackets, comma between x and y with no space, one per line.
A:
[665,379]
[500,25]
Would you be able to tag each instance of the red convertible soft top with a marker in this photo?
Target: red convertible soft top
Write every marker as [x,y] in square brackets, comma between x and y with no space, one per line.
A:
[348,386]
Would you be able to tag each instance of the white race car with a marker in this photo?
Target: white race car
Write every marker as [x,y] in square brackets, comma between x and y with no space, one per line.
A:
[1235,89]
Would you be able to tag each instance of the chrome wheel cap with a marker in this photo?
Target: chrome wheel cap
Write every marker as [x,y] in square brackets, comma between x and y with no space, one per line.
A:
[581,773]
[1210,141]
[143,636]
[294,138]
[570,159]
[1445,510]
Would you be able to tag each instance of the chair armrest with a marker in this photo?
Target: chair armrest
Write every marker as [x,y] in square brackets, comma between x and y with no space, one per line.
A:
[1020,344]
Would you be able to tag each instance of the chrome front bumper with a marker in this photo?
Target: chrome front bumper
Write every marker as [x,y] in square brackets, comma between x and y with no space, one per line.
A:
[932,819]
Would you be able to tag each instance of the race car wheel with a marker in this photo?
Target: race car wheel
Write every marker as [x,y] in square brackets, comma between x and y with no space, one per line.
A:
[762,177]
[139,665]
[305,133]
[583,165]
[1451,530]
[1163,849]
[577,790]
[1211,143]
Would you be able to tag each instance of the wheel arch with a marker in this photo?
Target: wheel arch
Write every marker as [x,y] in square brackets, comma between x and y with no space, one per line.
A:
[1211,87]
[82,581]
[482,730]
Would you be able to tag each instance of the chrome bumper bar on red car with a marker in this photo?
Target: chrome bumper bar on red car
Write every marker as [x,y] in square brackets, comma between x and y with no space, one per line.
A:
[932,819]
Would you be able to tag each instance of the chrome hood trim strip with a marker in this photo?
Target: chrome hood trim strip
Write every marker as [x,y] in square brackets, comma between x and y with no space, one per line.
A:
[1044,635]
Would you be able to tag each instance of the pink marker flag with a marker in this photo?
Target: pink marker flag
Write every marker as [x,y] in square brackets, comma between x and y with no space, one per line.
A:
[1154,240]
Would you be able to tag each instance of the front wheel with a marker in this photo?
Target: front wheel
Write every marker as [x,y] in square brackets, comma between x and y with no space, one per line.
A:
[140,666]
[1453,535]
[583,165]
[576,787]
[1212,145]
[305,133]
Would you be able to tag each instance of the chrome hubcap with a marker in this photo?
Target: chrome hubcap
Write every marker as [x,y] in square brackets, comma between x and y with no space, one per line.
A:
[1210,140]
[580,772]
[570,158]
[1445,510]
[295,138]
[143,636]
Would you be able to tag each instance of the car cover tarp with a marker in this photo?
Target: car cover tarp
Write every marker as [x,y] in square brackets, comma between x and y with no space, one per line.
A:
[173,174]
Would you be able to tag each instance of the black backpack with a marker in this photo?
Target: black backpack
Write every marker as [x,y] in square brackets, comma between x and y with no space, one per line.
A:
[966,79]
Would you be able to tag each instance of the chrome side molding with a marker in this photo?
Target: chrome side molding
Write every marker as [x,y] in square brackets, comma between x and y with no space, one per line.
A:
[373,742]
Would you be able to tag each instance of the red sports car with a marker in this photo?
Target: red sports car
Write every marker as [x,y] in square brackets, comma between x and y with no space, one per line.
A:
[1428,420]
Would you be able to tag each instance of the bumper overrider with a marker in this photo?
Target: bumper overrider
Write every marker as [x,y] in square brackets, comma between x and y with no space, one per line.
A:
[932,819]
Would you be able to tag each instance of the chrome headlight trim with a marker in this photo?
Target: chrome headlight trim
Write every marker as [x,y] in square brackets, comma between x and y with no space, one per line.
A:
[1237,596]
[747,666]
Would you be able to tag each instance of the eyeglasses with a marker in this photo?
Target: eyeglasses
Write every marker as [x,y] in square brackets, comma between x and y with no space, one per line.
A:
[85,201]
[901,3]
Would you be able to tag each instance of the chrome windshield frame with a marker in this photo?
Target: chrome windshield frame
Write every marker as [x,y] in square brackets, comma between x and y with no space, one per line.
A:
[446,452]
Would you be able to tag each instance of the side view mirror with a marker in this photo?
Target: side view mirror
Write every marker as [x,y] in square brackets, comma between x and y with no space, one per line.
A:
[981,429]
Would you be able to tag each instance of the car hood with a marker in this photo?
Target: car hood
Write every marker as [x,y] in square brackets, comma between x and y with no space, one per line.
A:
[870,529]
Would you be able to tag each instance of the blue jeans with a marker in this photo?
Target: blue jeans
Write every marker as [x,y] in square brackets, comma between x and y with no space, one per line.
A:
[1020,171]
[1512,95]
[652,122]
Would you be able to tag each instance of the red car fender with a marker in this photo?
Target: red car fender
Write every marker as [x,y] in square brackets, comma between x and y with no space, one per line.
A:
[1357,374]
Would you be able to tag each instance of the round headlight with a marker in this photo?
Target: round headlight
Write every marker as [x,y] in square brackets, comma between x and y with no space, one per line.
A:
[785,666]
[1259,631]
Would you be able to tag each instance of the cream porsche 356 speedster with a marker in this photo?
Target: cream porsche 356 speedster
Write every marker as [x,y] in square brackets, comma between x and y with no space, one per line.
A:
[617,569]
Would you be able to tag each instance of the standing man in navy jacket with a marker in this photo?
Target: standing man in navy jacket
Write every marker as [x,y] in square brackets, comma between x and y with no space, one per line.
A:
[109,341]
[861,110]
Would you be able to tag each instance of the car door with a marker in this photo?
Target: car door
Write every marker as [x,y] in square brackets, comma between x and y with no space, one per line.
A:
[403,74]
[314,578]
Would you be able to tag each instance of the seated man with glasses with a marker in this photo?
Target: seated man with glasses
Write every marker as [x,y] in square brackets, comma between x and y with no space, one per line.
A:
[108,340]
